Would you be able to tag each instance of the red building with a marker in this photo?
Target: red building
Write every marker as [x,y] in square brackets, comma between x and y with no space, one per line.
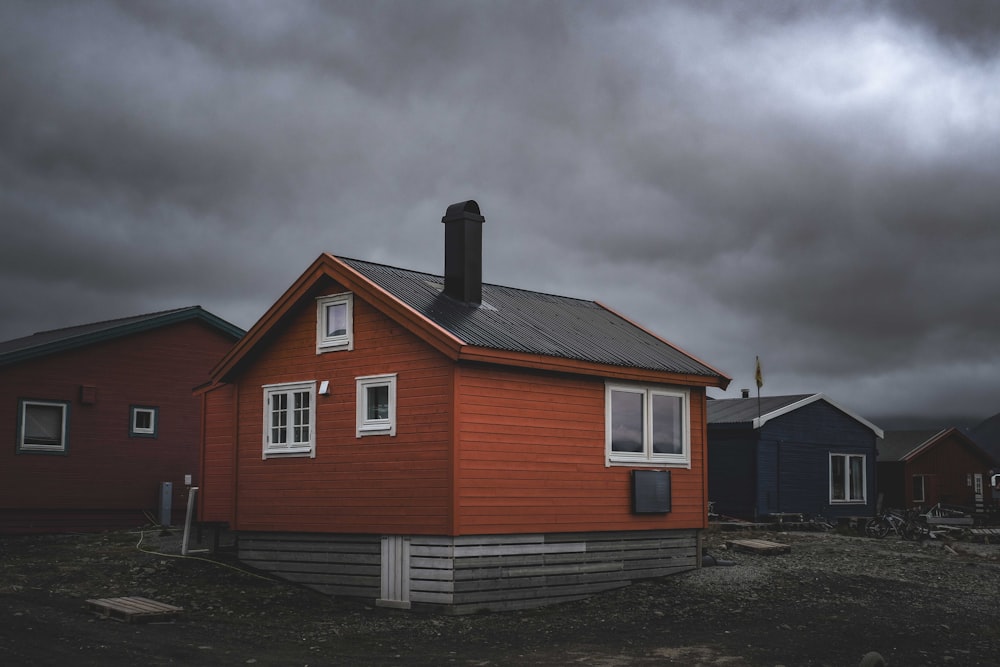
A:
[100,415]
[923,468]
[441,442]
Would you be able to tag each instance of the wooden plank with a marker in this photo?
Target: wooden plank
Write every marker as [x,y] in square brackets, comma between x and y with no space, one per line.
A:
[759,546]
[133,609]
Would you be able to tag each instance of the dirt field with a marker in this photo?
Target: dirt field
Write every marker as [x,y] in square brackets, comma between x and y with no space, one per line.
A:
[829,601]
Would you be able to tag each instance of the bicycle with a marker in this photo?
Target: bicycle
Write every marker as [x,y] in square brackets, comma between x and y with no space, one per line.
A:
[893,521]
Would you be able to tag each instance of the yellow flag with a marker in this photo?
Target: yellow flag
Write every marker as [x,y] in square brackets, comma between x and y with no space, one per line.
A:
[759,376]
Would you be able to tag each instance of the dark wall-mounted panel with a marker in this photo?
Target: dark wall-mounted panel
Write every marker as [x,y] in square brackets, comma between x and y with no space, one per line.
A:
[650,491]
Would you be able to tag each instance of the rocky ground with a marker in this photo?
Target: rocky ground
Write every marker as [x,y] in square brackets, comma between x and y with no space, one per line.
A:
[829,601]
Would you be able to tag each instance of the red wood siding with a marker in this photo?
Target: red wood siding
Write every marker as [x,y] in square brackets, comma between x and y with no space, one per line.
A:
[105,469]
[947,465]
[531,459]
[217,493]
[376,484]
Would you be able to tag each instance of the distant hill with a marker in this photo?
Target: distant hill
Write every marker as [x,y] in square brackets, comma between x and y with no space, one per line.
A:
[921,423]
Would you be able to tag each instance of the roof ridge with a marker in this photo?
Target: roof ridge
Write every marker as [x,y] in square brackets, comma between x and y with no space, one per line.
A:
[111,321]
[441,277]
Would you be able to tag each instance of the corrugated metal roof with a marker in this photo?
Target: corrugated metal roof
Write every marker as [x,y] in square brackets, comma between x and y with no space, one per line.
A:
[57,340]
[519,320]
[745,410]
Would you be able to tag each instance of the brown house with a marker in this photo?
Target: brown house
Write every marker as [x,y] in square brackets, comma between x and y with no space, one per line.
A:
[99,416]
[441,442]
[923,468]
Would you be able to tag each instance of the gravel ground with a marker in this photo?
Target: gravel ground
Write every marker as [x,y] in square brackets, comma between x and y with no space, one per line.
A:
[829,601]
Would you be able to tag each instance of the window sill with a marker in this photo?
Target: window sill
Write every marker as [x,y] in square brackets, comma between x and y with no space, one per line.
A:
[333,347]
[41,449]
[646,463]
[287,454]
[376,431]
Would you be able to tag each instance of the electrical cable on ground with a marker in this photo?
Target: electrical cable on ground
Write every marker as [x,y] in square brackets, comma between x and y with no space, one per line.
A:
[142,536]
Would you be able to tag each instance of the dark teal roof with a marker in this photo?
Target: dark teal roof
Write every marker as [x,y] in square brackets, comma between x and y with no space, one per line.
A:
[754,412]
[45,343]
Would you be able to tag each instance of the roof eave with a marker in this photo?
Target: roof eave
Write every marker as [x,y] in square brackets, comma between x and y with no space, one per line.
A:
[723,379]
[327,265]
[791,407]
[578,367]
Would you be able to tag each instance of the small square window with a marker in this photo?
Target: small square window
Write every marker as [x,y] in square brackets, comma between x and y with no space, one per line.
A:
[334,323]
[43,426]
[377,405]
[143,422]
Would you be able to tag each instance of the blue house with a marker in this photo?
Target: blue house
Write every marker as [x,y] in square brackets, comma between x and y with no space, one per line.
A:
[801,454]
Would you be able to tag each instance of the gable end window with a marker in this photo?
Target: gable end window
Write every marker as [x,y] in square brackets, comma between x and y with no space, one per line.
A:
[647,424]
[143,422]
[847,478]
[334,323]
[376,405]
[42,426]
[290,419]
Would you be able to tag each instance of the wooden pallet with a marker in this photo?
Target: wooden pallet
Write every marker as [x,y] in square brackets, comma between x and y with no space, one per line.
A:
[759,546]
[133,609]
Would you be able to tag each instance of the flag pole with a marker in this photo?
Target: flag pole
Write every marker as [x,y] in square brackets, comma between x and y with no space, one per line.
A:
[759,377]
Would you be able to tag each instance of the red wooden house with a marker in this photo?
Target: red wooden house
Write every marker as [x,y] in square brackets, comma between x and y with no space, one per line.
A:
[99,416]
[455,445]
[923,468]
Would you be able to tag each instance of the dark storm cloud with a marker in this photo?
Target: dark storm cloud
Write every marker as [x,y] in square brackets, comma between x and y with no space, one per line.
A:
[810,182]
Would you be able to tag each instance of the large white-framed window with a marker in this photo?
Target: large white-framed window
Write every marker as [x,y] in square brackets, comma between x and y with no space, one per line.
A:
[42,426]
[847,478]
[142,421]
[335,323]
[290,419]
[376,405]
[647,424]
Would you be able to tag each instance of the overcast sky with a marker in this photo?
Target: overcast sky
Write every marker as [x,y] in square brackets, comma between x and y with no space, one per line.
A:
[814,183]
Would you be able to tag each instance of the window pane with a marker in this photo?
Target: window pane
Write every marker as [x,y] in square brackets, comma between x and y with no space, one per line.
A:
[336,320]
[43,424]
[626,421]
[857,478]
[918,488]
[837,478]
[667,425]
[143,420]
[279,419]
[378,402]
[300,417]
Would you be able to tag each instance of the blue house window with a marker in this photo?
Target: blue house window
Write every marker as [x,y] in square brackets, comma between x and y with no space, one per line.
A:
[847,478]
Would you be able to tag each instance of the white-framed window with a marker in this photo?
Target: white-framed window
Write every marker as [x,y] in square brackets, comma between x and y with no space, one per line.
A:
[43,426]
[335,323]
[919,488]
[647,424]
[377,405]
[142,421]
[290,419]
[847,478]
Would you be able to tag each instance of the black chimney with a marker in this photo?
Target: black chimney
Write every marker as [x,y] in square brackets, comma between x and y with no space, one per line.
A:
[463,252]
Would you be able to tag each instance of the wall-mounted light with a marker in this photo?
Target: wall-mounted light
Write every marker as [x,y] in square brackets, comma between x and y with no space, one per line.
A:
[324,388]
